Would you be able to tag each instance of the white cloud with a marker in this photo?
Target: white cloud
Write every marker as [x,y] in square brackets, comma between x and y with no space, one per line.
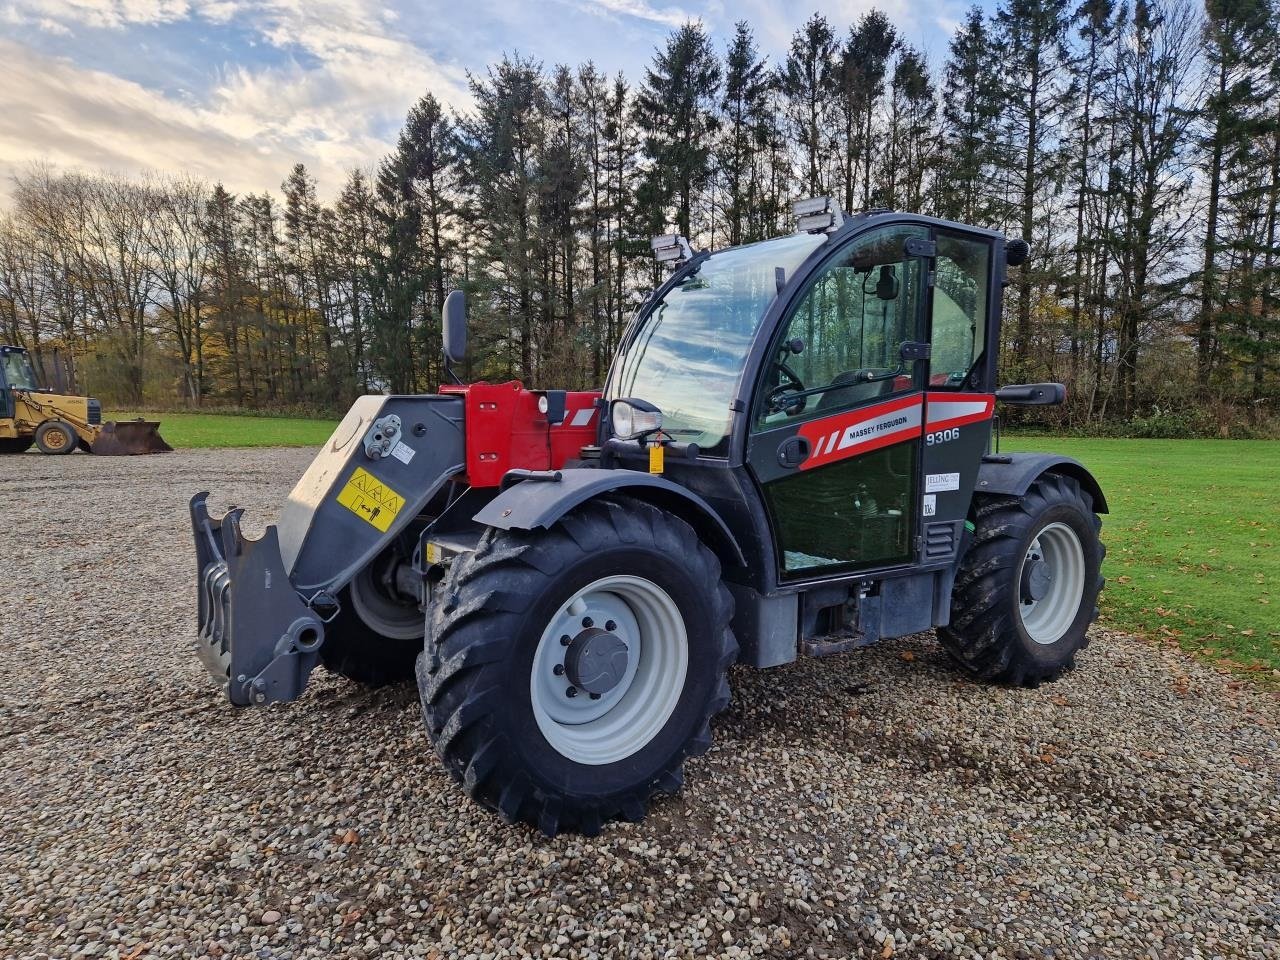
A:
[327,109]
[100,13]
[643,10]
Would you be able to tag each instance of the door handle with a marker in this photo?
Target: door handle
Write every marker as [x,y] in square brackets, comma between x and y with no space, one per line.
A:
[793,451]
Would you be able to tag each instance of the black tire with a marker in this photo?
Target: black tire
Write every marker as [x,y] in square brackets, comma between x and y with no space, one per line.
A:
[474,675]
[57,437]
[15,444]
[986,635]
[371,651]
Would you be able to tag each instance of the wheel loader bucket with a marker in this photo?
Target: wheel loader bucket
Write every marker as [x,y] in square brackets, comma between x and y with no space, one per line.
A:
[128,437]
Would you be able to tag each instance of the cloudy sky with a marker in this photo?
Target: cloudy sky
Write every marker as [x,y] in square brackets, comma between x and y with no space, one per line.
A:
[239,90]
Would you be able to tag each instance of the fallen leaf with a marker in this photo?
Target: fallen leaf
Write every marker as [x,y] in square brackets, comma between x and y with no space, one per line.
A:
[907,655]
[350,837]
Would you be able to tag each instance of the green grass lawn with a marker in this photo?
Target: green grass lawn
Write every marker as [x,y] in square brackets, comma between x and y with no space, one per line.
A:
[229,430]
[1193,541]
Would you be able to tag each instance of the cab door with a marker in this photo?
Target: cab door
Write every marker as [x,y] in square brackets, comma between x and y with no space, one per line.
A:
[838,414]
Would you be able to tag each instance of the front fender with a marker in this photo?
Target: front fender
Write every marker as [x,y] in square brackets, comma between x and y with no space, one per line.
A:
[1012,474]
[537,501]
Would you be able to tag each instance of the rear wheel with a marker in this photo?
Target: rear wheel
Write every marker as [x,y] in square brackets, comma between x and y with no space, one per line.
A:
[15,444]
[568,673]
[1028,587]
[56,437]
[376,637]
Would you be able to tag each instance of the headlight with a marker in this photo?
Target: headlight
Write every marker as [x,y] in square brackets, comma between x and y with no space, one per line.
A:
[632,418]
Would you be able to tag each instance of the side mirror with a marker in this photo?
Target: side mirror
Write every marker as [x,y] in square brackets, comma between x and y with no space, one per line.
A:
[1016,252]
[454,321]
[1032,394]
[887,285]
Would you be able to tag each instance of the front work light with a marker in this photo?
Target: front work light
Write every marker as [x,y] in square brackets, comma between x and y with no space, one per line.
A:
[817,215]
[633,419]
[671,248]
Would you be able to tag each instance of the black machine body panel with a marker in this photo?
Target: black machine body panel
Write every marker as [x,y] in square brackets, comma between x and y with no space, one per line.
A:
[265,604]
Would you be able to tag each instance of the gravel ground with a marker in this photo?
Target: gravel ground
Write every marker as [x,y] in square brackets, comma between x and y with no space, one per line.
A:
[870,805]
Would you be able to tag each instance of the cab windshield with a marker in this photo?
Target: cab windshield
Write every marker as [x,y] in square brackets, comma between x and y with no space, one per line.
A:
[687,352]
[17,370]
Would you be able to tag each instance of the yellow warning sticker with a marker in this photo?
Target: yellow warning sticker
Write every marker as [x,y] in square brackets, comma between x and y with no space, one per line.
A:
[370,499]
[655,458]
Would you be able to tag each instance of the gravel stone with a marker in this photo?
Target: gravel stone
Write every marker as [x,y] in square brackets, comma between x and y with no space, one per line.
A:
[874,804]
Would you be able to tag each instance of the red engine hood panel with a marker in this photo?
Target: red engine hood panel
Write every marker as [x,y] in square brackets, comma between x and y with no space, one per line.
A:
[505,431]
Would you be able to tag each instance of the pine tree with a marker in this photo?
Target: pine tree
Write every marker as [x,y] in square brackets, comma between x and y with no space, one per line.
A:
[1095,25]
[675,109]
[911,140]
[859,81]
[743,105]
[805,80]
[500,142]
[970,108]
[1239,48]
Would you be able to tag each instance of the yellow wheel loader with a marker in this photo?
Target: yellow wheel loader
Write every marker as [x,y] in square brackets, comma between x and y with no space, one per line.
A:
[56,423]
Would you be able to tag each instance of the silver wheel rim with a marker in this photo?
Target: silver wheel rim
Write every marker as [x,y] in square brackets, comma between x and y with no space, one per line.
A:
[377,611]
[626,718]
[1047,619]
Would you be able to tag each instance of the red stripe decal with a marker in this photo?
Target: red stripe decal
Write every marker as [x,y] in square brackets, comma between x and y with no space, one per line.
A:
[854,432]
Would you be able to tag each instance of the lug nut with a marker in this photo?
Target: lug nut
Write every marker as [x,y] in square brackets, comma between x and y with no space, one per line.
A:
[571,692]
[595,696]
[611,625]
[565,640]
[558,669]
[587,621]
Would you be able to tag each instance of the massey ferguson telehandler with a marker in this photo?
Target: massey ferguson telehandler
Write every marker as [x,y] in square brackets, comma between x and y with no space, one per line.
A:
[791,456]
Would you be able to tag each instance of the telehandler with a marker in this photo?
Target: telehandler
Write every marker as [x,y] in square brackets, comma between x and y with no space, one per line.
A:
[791,456]
[57,423]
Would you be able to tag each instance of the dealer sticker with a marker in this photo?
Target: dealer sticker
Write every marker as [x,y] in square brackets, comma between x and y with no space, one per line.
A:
[941,482]
[930,504]
[403,452]
[370,499]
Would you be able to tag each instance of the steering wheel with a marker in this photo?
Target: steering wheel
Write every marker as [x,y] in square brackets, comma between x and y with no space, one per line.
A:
[792,384]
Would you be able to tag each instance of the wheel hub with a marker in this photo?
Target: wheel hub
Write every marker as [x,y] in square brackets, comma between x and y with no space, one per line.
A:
[1037,578]
[596,661]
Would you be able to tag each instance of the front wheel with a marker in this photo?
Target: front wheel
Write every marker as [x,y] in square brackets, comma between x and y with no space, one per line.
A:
[1028,586]
[567,674]
[56,437]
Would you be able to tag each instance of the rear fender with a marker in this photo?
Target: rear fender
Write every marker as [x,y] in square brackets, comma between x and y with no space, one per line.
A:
[1012,474]
[535,501]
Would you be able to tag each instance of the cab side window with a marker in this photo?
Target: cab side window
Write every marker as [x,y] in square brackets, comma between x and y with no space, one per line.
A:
[846,331]
[959,316]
